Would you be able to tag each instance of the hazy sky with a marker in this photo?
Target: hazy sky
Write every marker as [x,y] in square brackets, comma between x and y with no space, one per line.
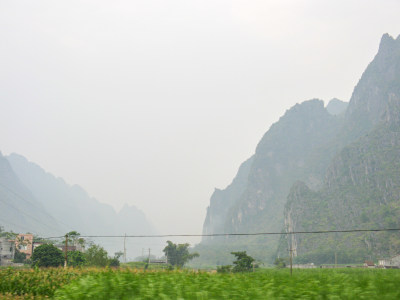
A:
[155,103]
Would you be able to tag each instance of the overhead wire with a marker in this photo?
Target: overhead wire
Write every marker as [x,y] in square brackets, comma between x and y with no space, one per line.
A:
[234,234]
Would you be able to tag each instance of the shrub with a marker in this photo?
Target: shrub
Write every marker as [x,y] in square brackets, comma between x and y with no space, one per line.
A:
[243,262]
[224,269]
[47,255]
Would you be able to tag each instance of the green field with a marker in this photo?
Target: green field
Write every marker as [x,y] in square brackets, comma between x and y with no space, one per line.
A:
[136,284]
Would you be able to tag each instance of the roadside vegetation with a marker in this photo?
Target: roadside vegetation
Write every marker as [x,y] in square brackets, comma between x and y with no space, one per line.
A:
[128,283]
[95,275]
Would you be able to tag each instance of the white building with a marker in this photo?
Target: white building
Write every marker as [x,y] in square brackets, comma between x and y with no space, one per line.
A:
[393,262]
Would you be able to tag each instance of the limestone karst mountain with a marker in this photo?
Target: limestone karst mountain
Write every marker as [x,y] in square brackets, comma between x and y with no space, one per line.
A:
[38,195]
[305,161]
[362,184]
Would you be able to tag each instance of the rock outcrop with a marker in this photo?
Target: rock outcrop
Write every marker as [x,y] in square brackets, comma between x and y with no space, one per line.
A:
[319,168]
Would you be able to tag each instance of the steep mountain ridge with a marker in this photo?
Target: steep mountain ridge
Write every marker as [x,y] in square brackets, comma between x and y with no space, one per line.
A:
[19,209]
[362,186]
[361,191]
[280,159]
[337,107]
[222,201]
[71,205]
[282,156]
[71,208]
[370,96]
[286,182]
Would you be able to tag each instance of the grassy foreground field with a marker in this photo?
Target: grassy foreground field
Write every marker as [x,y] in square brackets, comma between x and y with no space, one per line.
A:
[133,284]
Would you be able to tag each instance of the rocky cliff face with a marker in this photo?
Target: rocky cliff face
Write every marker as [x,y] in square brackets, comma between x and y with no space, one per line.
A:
[222,201]
[281,158]
[255,200]
[361,191]
[362,185]
[371,95]
[316,169]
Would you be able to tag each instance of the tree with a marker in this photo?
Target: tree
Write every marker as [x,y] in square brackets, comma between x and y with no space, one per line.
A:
[178,254]
[113,262]
[96,256]
[76,258]
[75,239]
[19,257]
[47,255]
[243,262]
[224,269]
[118,254]
[9,235]
[280,263]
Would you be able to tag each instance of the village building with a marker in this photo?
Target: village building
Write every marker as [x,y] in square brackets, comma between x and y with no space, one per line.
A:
[369,264]
[36,244]
[24,244]
[69,248]
[303,266]
[7,251]
[390,263]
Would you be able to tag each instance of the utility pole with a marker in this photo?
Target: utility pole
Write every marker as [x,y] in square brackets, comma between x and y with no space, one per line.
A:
[336,243]
[291,253]
[148,261]
[335,259]
[125,248]
[66,251]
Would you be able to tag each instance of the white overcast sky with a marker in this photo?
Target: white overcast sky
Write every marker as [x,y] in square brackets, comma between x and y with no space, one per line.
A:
[156,102]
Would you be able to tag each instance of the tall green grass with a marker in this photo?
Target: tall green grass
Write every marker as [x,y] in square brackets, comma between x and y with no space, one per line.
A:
[128,283]
[269,284]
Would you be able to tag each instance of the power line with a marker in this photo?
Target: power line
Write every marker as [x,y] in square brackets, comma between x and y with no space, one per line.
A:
[233,234]
[7,189]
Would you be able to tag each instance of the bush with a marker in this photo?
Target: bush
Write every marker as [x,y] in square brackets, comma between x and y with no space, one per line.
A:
[47,255]
[224,269]
[19,257]
[96,256]
[280,263]
[76,259]
[243,262]
[113,262]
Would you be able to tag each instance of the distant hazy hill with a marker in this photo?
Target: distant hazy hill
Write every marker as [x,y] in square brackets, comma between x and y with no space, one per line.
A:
[19,209]
[69,207]
[307,169]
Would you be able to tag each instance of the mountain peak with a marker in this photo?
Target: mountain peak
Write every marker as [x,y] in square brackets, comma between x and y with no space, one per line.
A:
[380,80]
[336,106]
[388,42]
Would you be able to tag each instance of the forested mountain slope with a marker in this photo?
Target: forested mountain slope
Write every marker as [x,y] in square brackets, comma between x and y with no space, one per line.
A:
[298,153]
[362,184]
[286,153]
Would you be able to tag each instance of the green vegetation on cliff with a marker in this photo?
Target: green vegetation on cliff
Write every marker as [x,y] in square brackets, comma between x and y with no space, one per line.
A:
[322,168]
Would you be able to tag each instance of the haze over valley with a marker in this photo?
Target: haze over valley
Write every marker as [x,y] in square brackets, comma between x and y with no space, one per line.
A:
[189,117]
